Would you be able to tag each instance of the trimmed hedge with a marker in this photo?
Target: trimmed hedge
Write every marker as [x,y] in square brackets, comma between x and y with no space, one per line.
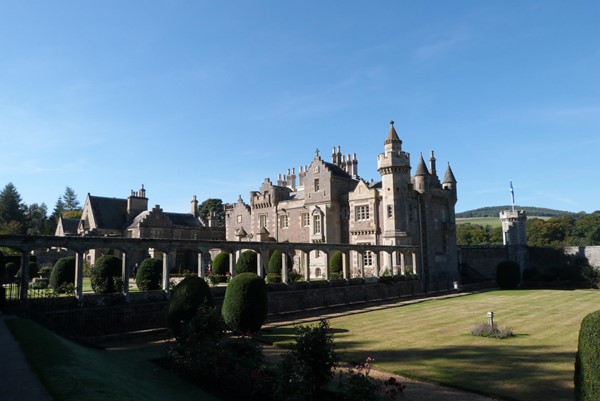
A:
[221,264]
[10,270]
[33,271]
[247,263]
[186,298]
[245,305]
[148,275]
[335,263]
[63,272]
[107,274]
[587,361]
[508,275]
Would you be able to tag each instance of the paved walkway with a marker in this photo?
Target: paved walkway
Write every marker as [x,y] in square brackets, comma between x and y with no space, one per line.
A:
[17,380]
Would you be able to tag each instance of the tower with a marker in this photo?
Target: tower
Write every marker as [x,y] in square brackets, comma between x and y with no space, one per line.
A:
[394,167]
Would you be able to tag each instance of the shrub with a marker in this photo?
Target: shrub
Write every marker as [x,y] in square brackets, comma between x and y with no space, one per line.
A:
[45,271]
[203,354]
[485,330]
[508,274]
[106,275]
[245,303]
[1,267]
[63,273]
[591,274]
[148,274]
[33,271]
[273,278]
[307,369]
[215,279]
[221,264]
[187,296]
[246,263]
[335,265]
[587,360]
[10,270]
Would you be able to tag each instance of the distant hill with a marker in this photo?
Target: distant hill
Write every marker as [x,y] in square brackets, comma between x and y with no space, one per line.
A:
[494,211]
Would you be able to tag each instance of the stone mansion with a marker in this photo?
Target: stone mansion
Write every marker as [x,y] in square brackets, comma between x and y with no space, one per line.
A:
[327,202]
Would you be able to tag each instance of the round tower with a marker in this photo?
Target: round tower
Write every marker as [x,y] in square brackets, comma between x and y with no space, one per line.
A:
[394,167]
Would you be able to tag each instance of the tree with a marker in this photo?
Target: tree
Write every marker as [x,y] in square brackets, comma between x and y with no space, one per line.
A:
[59,208]
[69,199]
[587,230]
[212,205]
[37,220]
[12,208]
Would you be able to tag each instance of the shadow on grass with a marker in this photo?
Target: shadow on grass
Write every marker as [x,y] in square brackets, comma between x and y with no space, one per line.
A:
[513,372]
[283,335]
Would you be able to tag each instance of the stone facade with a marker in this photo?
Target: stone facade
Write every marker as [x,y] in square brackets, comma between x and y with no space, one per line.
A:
[328,202]
[130,218]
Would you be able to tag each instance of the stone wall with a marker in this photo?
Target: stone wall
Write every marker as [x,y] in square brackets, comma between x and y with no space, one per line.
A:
[479,262]
[589,253]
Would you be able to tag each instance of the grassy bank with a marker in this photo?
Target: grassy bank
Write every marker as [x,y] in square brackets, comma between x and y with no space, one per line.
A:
[72,372]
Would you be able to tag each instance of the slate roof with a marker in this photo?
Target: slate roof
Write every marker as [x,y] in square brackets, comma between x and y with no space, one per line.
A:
[109,213]
[337,170]
[449,176]
[421,167]
[183,219]
[392,135]
[69,225]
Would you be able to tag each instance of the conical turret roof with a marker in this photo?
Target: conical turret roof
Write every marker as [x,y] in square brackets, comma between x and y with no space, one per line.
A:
[421,167]
[392,135]
[449,176]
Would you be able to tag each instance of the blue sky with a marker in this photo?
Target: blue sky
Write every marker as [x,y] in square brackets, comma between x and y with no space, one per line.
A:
[209,98]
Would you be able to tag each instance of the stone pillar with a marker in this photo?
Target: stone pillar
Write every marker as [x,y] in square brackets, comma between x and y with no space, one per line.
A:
[79,276]
[327,272]
[360,261]
[166,272]
[391,262]
[376,264]
[126,271]
[402,263]
[24,284]
[232,261]
[414,264]
[201,265]
[284,267]
[345,272]
[307,271]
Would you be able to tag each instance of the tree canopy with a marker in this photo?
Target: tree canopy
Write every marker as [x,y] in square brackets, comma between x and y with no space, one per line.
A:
[12,211]
[212,205]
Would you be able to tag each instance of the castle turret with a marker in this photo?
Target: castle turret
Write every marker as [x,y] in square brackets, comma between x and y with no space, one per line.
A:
[449,181]
[394,167]
[421,176]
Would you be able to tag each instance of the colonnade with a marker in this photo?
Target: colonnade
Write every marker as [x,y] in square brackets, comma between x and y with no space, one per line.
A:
[382,257]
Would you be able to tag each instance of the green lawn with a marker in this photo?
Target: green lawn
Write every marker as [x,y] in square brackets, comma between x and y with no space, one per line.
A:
[432,341]
[72,372]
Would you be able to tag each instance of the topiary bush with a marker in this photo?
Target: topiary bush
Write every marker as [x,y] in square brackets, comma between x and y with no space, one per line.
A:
[107,274]
[33,271]
[587,360]
[508,275]
[10,270]
[245,305]
[148,274]
[63,273]
[247,262]
[186,298]
[221,264]
[335,262]
[275,262]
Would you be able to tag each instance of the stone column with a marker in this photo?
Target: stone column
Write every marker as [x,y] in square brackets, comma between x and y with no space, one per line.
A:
[126,271]
[232,261]
[166,272]
[284,267]
[414,264]
[307,271]
[402,263]
[326,259]
[391,262]
[360,261]
[79,276]
[24,284]
[345,272]
[376,264]
[263,262]
[201,267]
